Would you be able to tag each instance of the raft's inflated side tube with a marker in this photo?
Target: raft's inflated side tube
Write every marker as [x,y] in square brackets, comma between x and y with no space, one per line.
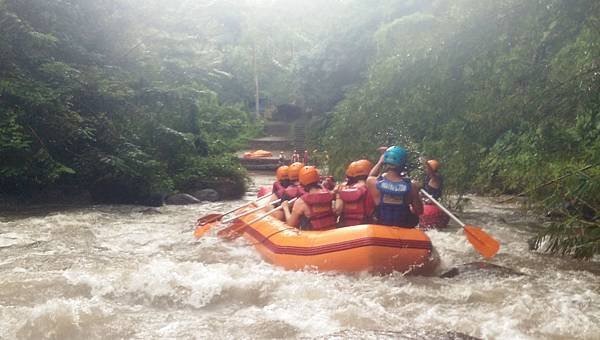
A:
[433,217]
[263,191]
[366,247]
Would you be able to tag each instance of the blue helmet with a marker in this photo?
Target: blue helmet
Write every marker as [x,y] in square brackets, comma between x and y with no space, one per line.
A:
[395,155]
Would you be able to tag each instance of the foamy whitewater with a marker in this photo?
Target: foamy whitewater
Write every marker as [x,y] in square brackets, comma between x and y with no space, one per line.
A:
[128,272]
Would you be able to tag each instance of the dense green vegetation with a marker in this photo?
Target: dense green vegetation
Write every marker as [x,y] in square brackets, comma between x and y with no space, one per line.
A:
[505,93]
[94,99]
[143,98]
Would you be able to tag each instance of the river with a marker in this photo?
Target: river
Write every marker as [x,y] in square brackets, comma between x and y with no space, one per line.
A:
[123,272]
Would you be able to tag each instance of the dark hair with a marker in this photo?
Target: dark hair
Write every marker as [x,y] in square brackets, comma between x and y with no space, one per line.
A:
[312,185]
[398,170]
[355,179]
[285,182]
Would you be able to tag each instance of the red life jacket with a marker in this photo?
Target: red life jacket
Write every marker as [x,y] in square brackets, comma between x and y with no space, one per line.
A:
[278,189]
[355,208]
[321,212]
[293,191]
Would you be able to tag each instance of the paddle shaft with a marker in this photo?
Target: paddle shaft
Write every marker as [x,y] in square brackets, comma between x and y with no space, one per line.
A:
[269,212]
[246,204]
[248,212]
[442,207]
[234,230]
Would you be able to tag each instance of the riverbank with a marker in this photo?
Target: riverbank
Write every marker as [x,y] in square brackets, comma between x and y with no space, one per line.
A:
[79,197]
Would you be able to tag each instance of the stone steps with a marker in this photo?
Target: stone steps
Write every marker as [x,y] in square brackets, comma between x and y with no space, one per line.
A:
[270,143]
[280,138]
[259,163]
[299,136]
[278,129]
[277,140]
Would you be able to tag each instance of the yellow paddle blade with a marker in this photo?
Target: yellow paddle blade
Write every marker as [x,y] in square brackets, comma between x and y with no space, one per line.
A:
[202,229]
[482,241]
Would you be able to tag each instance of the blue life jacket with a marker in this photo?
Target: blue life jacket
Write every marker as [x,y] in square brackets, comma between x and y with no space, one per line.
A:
[393,209]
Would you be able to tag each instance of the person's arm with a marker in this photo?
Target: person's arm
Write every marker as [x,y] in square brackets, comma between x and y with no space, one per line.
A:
[293,218]
[338,204]
[269,206]
[372,188]
[286,209]
[416,203]
[377,168]
[435,181]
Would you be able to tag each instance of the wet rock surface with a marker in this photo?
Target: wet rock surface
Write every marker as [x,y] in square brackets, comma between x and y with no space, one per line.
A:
[181,199]
[480,269]
[210,195]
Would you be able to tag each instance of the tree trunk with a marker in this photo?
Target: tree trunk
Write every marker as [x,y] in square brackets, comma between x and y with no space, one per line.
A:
[256,88]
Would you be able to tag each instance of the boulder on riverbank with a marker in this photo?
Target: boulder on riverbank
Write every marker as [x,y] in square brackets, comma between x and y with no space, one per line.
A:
[181,199]
[206,195]
[225,187]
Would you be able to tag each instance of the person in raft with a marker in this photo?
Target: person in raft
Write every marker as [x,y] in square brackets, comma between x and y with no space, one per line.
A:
[312,211]
[396,197]
[295,157]
[433,217]
[353,203]
[433,182]
[278,190]
[294,189]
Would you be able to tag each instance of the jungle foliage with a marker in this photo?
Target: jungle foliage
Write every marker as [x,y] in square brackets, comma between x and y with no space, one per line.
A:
[505,93]
[94,98]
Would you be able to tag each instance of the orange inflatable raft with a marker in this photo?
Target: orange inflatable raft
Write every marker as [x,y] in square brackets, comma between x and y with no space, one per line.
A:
[368,247]
[433,217]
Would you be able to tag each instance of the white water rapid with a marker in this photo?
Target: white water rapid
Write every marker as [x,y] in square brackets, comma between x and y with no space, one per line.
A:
[112,272]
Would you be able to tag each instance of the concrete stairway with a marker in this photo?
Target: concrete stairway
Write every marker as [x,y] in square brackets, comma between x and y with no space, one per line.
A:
[276,141]
[299,136]
[270,143]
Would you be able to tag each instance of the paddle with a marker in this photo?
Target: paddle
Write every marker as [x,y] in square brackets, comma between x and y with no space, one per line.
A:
[205,224]
[203,228]
[227,220]
[215,217]
[234,230]
[481,241]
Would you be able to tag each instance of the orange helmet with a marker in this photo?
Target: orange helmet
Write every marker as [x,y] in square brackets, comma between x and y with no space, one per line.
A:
[362,167]
[309,175]
[282,173]
[433,164]
[359,168]
[350,170]
[294,170]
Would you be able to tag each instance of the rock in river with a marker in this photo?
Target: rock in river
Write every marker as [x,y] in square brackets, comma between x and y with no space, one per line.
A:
[480,269]
[207,195]
[181,199]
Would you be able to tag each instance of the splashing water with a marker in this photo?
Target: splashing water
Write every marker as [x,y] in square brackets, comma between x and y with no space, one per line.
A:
[119,272]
